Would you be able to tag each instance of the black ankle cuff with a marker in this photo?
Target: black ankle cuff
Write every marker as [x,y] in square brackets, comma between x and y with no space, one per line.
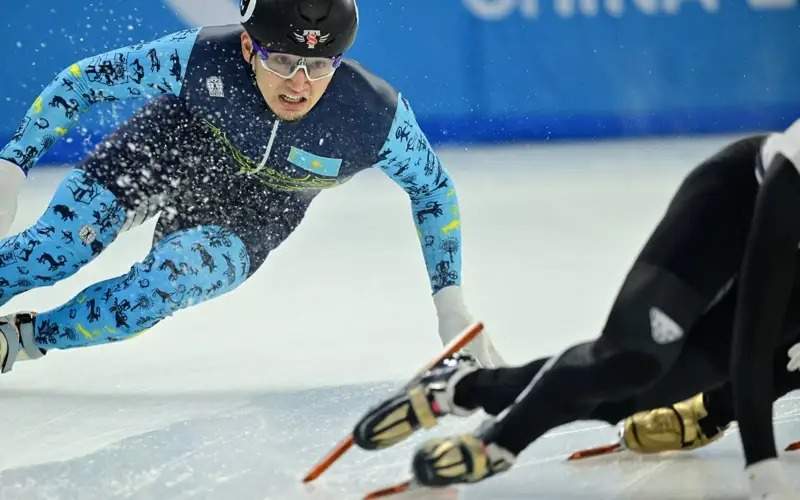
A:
[720,412]
[464,395]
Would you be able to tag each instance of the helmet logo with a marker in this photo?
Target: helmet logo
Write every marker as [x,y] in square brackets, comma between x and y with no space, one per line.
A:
[311,38]
[246,9]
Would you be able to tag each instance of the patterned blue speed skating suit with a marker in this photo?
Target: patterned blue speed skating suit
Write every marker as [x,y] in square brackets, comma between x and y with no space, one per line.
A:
[228,179]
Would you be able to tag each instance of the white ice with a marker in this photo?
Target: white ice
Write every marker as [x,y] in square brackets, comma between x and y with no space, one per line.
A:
[236,398]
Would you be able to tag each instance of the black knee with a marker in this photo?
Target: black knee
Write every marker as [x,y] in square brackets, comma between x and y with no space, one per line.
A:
[629,372]
[653,313]
[589,374]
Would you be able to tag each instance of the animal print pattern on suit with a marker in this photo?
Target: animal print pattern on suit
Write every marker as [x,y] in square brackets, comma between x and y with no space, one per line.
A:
[183,269]
[138,71]
[82,219]
[408,158]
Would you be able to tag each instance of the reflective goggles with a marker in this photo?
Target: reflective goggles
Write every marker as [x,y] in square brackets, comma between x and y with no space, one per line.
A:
[287,65]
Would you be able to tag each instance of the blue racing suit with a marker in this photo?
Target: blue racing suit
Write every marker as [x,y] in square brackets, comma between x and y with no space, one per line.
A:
[228,180]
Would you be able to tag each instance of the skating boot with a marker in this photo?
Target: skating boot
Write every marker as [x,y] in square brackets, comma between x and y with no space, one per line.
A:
[459,459]
[676,427]
[16,339]
[418,405]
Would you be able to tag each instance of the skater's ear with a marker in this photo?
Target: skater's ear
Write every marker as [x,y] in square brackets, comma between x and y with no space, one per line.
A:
[247,48]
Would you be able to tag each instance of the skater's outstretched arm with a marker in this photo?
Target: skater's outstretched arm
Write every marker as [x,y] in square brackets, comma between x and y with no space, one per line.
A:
[768,272]
[408,159]
[143,70]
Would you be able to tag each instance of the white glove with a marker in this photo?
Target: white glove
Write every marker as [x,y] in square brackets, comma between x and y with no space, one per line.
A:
[786,143]
[11,179]
[794,358]
[454,318]
[769,482]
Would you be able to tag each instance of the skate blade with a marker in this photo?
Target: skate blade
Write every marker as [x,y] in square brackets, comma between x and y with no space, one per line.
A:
[596,452]
[453,347]
[408,485]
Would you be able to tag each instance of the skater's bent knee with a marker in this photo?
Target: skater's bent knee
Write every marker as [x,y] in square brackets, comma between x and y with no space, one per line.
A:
[654,311]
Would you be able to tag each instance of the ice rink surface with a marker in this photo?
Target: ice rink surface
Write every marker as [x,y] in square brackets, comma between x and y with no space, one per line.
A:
[236,398]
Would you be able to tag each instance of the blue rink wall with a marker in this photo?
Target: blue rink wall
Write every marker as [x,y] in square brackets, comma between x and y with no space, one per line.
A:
[480,70]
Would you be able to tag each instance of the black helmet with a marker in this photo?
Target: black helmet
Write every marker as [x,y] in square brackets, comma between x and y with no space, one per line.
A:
[309,28]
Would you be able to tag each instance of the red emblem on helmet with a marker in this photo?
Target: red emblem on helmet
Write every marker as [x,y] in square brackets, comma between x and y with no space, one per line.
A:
[311,38]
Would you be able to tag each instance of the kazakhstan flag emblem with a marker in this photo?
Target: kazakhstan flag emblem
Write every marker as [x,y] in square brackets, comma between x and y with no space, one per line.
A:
[329,167]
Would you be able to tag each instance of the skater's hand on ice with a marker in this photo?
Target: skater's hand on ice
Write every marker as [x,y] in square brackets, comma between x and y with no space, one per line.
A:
[794,358]
[454,318]
[11,179]
[768,481]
